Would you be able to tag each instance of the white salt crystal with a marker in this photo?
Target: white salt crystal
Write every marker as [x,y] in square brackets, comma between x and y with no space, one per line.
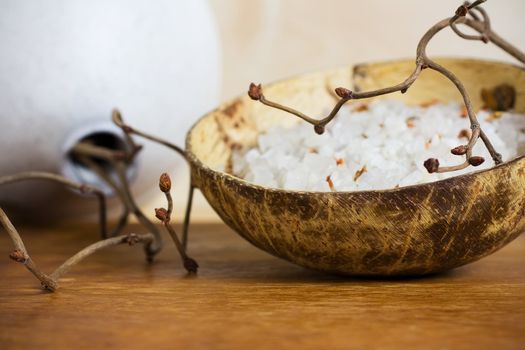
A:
[391,139]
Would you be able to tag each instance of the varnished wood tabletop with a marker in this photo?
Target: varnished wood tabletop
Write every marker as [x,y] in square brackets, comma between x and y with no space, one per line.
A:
[244,298]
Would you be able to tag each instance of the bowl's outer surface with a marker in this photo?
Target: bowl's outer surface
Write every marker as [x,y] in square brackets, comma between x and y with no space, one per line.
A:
[406,231]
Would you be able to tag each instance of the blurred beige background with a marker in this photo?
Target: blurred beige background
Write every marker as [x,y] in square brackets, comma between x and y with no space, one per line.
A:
[265,40]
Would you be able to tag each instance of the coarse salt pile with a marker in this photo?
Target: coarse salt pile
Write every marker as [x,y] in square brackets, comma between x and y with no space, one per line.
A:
[378,146]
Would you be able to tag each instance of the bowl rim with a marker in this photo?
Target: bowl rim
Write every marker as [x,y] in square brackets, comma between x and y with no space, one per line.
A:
[195,161]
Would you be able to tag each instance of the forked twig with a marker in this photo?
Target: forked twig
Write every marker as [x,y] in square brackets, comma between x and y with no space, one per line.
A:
[164,215]
[91,155]
[119,161]
[479,21]
[82,188]
[50,282]
[116,116]
[128,130]
[20,253]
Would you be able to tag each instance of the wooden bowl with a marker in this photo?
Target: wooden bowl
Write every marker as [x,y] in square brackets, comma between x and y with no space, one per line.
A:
[411,230]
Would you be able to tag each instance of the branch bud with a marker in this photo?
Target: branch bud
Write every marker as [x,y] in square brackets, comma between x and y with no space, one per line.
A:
[319,129]
[459,151]
[165,183]
[343,92]
[476,160]
[462,11]
[162,214]
[255,92]
[18,256]
[190,265]
[132,239]
[432,165]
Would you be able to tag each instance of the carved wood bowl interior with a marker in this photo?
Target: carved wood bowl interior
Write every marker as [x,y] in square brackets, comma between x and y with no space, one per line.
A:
[412,230]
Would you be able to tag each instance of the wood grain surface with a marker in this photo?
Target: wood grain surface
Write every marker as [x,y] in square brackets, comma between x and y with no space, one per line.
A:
[244,298]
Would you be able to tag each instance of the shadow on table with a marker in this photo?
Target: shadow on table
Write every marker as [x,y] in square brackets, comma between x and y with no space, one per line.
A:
[279,271]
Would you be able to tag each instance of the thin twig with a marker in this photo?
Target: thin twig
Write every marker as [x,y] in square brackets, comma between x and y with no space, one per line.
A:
[121,223]
[164,215]
[122,188]
[20,254]
[131,239]
[480,22]
[86,153]
[156,246]
[50,282]
[187,217]
[94,151]
[497,40]
[345,95]
[128,130]
[84,189]
[106,177]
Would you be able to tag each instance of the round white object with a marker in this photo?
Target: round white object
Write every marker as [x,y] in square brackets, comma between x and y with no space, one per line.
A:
[67,63]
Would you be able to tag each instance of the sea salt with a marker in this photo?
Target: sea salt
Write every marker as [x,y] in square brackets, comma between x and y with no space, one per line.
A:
[378,146]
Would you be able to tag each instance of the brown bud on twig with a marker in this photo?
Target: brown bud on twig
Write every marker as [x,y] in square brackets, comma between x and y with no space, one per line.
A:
[255,92]
[343,92]
[132,239]
[459,151]
[432,165]
[165,183]
[18,256]
[476,160]
[162,214]
[462,11]
[190,265]
[319,129]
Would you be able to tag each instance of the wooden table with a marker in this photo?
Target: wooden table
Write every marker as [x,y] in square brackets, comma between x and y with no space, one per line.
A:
[244,298]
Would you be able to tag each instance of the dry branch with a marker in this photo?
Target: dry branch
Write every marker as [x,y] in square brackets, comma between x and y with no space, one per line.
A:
[471,15]
[82,188]
[164,215]
[128,131]
[50,282]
